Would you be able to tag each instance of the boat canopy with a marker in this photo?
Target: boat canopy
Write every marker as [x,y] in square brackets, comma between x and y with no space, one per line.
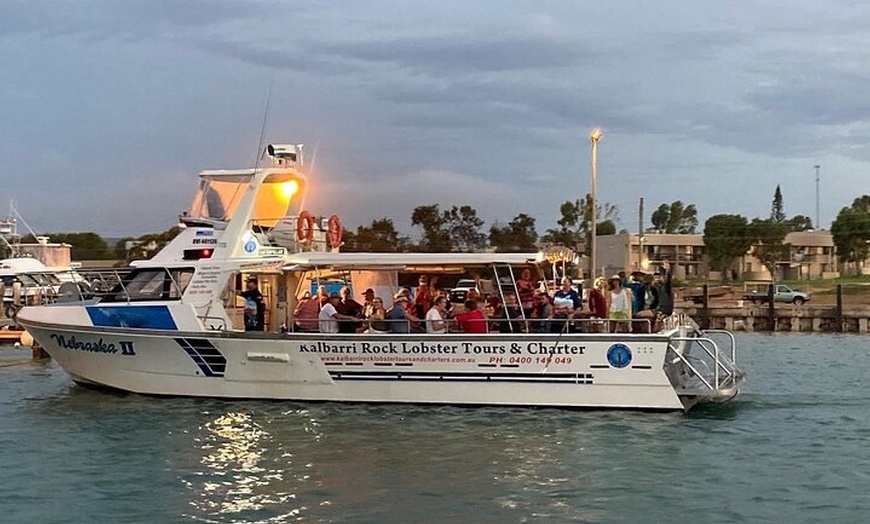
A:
[220,191]
[442,262]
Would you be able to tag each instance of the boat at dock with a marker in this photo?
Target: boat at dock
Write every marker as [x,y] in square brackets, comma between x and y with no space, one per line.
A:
[175,324]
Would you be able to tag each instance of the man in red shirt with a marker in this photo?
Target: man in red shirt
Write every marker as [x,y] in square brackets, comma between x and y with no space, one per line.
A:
[472,320]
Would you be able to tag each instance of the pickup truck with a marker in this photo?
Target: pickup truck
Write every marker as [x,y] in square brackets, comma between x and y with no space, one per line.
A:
[459,294]
[781,293]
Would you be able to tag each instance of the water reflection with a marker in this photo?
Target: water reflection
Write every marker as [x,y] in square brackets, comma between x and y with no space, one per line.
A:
[245,476]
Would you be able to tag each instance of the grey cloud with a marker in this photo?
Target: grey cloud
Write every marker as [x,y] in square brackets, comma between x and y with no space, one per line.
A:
[105,19]
[467,52]
[501,93]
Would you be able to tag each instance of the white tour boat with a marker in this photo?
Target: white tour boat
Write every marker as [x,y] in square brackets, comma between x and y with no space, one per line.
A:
[174,325]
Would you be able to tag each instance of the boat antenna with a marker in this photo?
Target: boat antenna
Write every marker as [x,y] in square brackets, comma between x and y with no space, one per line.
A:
[259,143]
[17,215]
[263,128]
[310,169]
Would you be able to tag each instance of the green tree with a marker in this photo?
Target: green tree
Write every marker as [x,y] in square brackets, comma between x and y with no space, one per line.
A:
[380,237]
[768,243]
[120,250]
[777,212]
[436,234]
[85,246]
[800,223]
[465,227]
[517,236]
[149,245]
[454,229]
[851,231]
[574,225]
[726,237]
[676,218]
[570,230]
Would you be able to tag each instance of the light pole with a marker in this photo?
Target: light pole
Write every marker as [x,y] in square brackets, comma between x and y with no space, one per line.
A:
[594,136]
[817,167]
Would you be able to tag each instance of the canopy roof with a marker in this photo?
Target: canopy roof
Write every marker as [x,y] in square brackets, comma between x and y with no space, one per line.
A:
[220,191]
[405,261]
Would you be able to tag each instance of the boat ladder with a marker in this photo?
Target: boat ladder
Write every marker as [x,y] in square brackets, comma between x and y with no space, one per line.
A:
[699,368]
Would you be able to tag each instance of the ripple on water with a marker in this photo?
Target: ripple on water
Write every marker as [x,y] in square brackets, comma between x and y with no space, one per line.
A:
[792,448]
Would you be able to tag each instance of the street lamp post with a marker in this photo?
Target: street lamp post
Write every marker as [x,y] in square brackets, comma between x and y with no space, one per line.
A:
[594,136]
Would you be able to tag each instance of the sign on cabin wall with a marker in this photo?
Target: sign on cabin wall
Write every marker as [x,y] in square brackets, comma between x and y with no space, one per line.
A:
[204,283]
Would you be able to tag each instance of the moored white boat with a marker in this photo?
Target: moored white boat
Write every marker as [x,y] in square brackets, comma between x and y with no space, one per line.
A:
[173,328]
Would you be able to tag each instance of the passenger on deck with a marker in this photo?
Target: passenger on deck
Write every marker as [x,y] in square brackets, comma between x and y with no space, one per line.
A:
[566,301]
[307,309]
[666,294]
[329,315]
[598,303]
[399,316]
[474,295]
[411,310]
[322,295]
[526,289]
[435,317]
[368,302]
[377,318]
[472,320]
[542,313]
[508,314]
[647,309]
[619,310]
[635,285]
[423,298]
[351,308]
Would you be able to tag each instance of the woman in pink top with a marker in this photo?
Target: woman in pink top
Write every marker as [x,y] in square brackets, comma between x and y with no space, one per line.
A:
[307,309]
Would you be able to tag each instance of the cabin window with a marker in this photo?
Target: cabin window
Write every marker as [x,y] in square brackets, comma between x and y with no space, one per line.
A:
[151,284]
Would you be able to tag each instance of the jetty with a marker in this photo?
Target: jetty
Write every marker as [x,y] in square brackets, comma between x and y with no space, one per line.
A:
[736,314]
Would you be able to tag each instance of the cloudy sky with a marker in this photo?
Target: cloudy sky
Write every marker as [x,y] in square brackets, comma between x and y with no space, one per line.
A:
[110,108]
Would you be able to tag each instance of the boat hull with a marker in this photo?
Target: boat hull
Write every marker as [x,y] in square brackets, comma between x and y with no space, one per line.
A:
[569,370]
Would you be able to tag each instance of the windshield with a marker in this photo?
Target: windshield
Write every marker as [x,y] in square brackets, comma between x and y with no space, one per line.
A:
[151,284]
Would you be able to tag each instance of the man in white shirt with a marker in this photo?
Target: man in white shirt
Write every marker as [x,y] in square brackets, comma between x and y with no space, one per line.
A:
[435,317]
[329,315]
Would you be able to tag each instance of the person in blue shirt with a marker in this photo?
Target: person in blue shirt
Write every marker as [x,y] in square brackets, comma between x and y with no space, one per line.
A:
[255,306]
[566,301]
[635,284]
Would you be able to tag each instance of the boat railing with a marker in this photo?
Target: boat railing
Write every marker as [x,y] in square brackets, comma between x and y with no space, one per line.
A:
[281,232]
[66,287]
[93,285]
[710,366]
[491,325]
[732,342]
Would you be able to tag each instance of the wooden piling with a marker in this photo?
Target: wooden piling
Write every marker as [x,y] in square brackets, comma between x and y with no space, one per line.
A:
[37,352]
[838,311]
[705,312]
[771,310]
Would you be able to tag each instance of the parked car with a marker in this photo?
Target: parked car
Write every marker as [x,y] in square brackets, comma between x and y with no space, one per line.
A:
[781,293]
[459,293]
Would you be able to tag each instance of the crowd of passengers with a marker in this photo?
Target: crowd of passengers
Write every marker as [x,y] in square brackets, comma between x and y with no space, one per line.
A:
[634,303]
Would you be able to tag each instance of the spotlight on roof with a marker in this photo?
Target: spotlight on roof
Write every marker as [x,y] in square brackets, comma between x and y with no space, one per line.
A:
[284,154]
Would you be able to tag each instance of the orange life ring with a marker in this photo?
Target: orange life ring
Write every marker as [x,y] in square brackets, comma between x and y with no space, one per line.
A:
[304,227]
[334,231]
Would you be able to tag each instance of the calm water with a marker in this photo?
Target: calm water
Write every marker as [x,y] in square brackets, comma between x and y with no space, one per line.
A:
[793,448]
